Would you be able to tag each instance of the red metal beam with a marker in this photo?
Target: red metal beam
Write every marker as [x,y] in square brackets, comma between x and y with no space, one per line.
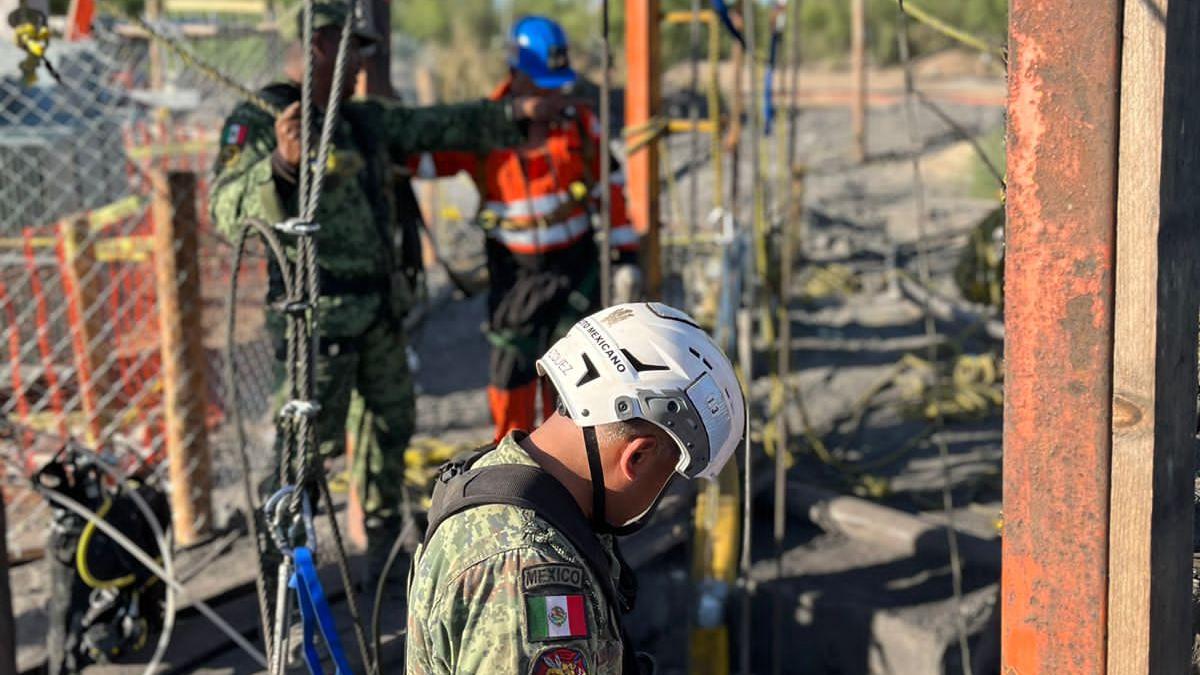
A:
[1062,139]
[642,102]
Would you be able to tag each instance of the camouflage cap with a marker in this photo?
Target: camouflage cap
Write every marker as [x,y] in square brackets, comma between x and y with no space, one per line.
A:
[325,13]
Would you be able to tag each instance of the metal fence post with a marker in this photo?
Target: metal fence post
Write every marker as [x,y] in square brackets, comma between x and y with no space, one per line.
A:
[185,393]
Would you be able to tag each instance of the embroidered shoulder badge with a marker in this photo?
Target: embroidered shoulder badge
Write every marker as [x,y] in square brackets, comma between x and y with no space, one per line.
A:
[559,661]
[551,574]
[555,617]
[235,134]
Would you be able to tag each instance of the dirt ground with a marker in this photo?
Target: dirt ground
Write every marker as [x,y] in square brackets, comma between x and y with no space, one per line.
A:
[823,602]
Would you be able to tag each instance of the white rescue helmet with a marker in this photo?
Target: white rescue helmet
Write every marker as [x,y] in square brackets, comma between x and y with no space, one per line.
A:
[648,361]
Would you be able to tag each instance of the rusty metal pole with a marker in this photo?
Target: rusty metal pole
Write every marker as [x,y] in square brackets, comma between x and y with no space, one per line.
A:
[1064,79]
[642,102]
[8,625]
[185,393]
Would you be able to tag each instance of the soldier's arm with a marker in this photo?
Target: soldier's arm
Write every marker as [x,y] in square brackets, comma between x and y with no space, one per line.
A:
[624,237]
[473,127]
[245,181]
[512,610]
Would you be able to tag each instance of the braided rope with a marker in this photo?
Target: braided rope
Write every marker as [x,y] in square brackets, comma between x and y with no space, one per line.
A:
[251,510]
[190,59]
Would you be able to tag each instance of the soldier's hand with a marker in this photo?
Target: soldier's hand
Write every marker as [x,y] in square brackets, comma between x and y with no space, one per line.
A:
[541,108]
[287,134]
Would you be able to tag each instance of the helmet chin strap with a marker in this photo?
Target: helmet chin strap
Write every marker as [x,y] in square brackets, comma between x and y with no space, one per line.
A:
[592,446]
[599,515]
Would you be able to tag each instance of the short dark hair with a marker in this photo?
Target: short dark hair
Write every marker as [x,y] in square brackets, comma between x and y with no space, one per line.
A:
[627,430]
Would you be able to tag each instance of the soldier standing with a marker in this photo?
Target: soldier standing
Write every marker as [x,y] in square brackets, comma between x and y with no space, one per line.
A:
[519,571]
[366,283]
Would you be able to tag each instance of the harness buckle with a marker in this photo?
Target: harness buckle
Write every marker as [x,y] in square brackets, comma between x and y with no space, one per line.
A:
[298,227]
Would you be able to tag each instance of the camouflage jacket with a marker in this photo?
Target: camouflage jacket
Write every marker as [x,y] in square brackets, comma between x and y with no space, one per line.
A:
[498,590]
[357,246]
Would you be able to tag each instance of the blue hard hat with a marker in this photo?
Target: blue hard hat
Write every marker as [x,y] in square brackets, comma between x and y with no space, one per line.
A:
[538,48]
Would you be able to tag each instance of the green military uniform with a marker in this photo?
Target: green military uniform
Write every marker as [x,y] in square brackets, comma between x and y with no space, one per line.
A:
[498,590]
[365,293]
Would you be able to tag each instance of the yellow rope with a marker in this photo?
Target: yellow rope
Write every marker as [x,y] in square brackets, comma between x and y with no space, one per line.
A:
[957,34]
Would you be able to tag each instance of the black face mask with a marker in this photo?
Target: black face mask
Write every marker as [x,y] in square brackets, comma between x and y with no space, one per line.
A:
[599,520]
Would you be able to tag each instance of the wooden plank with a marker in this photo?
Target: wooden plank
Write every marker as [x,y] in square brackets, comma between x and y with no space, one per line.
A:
[858,64]
[185,393]
[1154,359]
[642,102]
[1064,79]
[8,625]
[89,333]
[247,7]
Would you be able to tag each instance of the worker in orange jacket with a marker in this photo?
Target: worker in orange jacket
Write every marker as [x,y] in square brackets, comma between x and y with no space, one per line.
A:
[536,206]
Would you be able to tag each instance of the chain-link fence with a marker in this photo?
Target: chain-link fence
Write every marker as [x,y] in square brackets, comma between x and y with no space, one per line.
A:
[112,277]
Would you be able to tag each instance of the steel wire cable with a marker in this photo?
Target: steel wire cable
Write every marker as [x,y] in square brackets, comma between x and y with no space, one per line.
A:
[915,141]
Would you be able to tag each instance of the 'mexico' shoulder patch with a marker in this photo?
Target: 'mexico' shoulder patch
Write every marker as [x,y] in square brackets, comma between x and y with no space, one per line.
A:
[551,574]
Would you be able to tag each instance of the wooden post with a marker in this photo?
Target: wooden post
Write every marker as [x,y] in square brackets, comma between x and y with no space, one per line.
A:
[185,393]
[154,11]
[1062,143]
[642,103]
[430,190]
[90,338]
[858,63]
[1154,359]
[8,624]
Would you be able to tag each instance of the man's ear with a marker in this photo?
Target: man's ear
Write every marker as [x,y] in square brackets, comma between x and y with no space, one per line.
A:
[637,455]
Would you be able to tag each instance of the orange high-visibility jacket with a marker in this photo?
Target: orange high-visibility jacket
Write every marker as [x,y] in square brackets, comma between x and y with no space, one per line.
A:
[527,189]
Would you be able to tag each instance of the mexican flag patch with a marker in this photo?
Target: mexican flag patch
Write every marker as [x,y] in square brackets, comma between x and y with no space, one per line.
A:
[236,134]
[556,617]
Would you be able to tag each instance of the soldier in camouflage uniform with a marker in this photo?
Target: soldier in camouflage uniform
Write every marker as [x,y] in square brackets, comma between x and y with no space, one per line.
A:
[644,394]
[366,243]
